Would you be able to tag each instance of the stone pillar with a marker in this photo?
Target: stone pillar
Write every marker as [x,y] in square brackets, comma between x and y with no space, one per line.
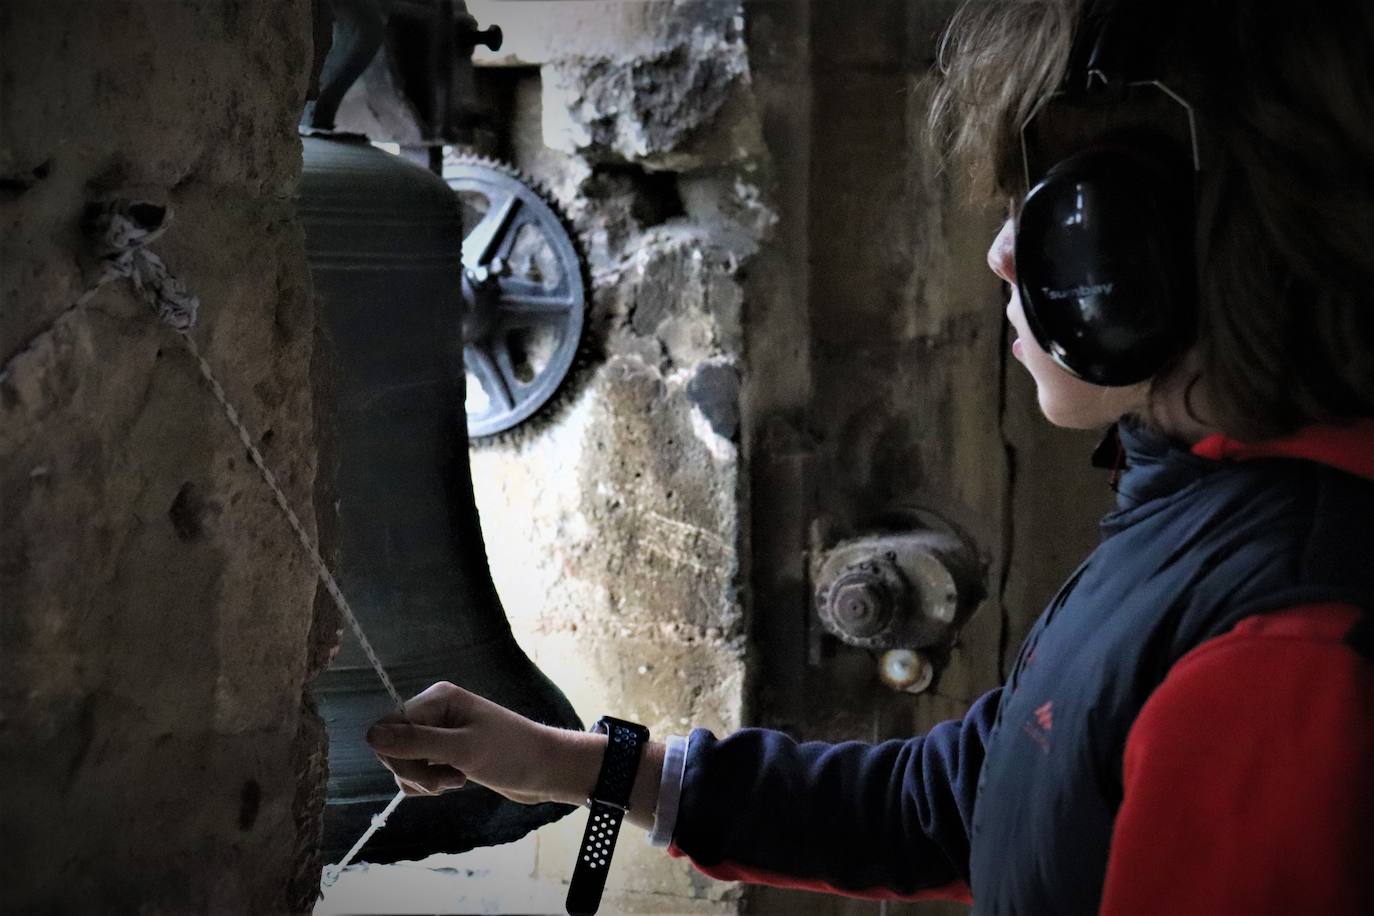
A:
[156,637]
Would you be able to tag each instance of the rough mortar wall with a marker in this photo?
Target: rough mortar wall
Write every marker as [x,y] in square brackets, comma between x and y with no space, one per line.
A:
[156,615]
[615,530]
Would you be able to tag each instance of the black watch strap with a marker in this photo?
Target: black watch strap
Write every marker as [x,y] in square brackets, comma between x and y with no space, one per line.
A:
[609,802]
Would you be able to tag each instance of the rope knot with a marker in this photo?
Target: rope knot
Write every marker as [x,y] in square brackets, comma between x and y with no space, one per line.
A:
[120,231]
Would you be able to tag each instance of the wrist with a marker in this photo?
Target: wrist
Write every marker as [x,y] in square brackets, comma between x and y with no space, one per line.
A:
[611,801]
[577,760]
[577,763]
[644,795]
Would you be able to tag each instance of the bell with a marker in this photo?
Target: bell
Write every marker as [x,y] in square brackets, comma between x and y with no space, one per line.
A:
[384,242]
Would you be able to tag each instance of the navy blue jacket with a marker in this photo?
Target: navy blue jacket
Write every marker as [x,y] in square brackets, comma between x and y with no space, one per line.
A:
[1017,801]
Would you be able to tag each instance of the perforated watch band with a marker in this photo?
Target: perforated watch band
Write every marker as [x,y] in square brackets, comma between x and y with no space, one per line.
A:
[609,802]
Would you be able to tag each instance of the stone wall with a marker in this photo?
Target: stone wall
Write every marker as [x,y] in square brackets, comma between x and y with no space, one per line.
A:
[157,751]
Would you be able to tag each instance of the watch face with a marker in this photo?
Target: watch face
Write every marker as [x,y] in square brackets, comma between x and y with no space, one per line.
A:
[621,761]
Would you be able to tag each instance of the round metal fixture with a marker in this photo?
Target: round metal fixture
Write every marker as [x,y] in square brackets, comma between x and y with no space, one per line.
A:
[524,294]
[860,603]
[906,670]
[896,589]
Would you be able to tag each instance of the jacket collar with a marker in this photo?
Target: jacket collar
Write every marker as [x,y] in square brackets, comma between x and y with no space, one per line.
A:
[1151,466]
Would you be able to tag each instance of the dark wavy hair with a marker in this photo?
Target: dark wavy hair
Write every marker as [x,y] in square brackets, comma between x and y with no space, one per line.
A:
[1285,240]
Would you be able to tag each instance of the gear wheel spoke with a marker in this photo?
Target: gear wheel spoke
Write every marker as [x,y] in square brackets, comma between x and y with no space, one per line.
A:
[493,231]
[490,376]
[524,303]
[524,294]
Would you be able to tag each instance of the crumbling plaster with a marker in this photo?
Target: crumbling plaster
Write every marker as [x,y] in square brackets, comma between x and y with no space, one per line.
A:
[158,753]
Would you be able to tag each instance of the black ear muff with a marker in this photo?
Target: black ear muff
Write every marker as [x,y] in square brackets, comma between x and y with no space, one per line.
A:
[1105,264]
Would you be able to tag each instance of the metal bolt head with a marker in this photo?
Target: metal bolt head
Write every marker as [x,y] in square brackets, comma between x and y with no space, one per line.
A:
[860,605]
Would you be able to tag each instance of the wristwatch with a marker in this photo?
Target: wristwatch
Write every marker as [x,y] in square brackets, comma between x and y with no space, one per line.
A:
[609,801]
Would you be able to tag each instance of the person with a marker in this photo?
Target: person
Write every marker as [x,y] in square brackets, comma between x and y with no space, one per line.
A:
[1189,727]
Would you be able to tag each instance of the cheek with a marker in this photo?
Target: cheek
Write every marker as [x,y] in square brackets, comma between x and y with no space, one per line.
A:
[1065,399]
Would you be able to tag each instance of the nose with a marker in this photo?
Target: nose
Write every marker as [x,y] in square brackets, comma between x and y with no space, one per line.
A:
[1001,254]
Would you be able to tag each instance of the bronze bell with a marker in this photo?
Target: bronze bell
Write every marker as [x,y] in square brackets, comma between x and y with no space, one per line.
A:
[383,241]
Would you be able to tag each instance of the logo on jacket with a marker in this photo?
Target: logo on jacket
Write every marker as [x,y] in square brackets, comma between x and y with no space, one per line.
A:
[1040,724]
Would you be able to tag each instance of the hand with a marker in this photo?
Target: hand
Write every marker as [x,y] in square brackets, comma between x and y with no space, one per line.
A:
[449,735]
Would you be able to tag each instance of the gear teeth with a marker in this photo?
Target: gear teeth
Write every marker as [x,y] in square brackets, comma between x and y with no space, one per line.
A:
[588,353]
[516,437]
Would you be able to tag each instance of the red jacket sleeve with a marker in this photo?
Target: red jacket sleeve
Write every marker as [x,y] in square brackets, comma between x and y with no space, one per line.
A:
[1249,776]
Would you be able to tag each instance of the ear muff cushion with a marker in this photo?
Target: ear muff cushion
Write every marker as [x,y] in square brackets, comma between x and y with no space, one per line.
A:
[1104,264]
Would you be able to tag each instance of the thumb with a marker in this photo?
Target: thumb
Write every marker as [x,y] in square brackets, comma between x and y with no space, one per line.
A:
[414,742]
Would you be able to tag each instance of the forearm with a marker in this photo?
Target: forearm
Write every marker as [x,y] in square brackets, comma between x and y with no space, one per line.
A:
[579,755]
[885,821]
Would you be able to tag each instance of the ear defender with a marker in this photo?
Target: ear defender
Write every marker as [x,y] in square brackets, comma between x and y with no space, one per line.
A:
[1105,264]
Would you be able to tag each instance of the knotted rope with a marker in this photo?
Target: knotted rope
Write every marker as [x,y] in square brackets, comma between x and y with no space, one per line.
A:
[121,231]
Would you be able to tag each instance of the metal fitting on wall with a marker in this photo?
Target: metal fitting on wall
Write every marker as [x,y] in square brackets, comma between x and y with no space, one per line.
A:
[898,593]
[906,670]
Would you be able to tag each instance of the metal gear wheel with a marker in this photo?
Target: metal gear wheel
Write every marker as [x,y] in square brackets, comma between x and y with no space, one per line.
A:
[524,294]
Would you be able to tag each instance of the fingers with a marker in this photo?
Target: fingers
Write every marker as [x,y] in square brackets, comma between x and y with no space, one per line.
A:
[437,704]
[404,741]
[418,778]
[441,704]
[446,735]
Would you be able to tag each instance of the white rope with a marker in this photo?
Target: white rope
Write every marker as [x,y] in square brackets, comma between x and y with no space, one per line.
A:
[332,872]
[122,229]
[331,585]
